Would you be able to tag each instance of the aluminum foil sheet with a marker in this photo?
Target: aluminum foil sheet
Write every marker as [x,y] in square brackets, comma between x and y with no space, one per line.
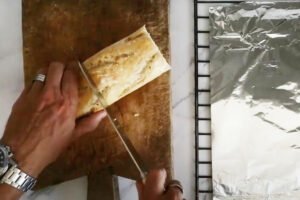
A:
[255,96]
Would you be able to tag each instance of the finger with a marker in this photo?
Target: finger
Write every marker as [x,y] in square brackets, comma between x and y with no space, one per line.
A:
[88,123]
[25,91]
[20,99]
[54,76]
[173,193]
[69,85]
[37,86]
[155,182]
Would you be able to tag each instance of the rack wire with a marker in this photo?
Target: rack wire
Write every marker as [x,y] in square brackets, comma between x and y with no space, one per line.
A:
[203,167]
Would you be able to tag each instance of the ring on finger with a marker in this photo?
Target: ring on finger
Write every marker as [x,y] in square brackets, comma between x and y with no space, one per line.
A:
[174,184]
[40,77]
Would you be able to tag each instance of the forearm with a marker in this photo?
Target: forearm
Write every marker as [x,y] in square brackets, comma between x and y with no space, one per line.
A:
[9,193]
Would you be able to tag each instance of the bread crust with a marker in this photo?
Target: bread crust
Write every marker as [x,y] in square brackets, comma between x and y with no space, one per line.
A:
[120,69]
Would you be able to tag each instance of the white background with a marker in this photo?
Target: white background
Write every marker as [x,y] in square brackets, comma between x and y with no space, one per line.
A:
[181,32]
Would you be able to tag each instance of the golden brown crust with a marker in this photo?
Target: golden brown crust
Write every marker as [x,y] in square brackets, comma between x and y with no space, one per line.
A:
[121,69]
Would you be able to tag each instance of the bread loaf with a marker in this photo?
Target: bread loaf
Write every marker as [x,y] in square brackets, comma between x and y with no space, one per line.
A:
[120,69]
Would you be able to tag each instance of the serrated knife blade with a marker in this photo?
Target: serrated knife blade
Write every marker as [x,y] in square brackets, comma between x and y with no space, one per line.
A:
[136,159]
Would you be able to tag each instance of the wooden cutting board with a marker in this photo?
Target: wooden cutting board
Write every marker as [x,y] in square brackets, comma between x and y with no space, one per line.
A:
[64,30]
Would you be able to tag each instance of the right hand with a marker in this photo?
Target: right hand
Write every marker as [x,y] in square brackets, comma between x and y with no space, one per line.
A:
[154,187]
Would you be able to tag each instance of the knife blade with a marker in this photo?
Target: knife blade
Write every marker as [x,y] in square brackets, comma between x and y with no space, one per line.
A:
[136,159]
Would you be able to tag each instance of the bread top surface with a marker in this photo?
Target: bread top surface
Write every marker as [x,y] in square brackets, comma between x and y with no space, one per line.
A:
[120,69]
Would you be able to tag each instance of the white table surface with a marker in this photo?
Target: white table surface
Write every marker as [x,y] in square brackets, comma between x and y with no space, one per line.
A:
[181,32]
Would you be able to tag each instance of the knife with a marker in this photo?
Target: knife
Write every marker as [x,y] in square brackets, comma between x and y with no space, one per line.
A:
[115,124]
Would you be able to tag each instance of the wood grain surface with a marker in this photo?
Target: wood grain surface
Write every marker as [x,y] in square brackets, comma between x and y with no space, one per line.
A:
[64,30]
[103,184]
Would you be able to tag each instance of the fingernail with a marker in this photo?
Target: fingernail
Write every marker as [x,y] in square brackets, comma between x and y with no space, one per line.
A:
[101,115]
[163,172]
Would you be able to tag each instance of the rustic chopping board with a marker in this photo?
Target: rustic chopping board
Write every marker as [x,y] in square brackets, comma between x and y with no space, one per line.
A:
[62,30]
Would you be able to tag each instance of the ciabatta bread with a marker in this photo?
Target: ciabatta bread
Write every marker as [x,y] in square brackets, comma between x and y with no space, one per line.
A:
[121,69]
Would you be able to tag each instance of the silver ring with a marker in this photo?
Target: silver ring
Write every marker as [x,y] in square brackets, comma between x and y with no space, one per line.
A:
[174,184]
[40,77]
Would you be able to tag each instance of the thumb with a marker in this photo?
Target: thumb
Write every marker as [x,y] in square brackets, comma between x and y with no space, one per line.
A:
[88,123]
[155,183]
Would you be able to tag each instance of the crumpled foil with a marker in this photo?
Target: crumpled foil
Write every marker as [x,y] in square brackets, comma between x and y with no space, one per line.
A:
[255,96]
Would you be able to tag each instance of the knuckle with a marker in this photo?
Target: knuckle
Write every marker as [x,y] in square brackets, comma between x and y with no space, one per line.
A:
[58,110]
[51,95]
[69,103]
[64,105]
[54,89]
[47,96]
[56,64]
[60,105]
[64,108]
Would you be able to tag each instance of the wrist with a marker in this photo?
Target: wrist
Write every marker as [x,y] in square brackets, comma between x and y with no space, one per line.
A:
[25,159]
[18,171]
[8,193]
[28,164]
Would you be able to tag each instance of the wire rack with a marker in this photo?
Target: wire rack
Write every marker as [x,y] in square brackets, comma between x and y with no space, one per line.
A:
[202,98]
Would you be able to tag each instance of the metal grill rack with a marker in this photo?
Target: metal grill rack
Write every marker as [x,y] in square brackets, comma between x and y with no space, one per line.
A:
[202,97]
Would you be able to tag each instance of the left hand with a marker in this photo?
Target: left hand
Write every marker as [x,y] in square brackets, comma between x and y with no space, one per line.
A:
[43,119]
[156,187]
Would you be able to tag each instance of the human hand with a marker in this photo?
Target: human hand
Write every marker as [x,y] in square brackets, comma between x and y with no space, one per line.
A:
[156,188]
[43,119]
